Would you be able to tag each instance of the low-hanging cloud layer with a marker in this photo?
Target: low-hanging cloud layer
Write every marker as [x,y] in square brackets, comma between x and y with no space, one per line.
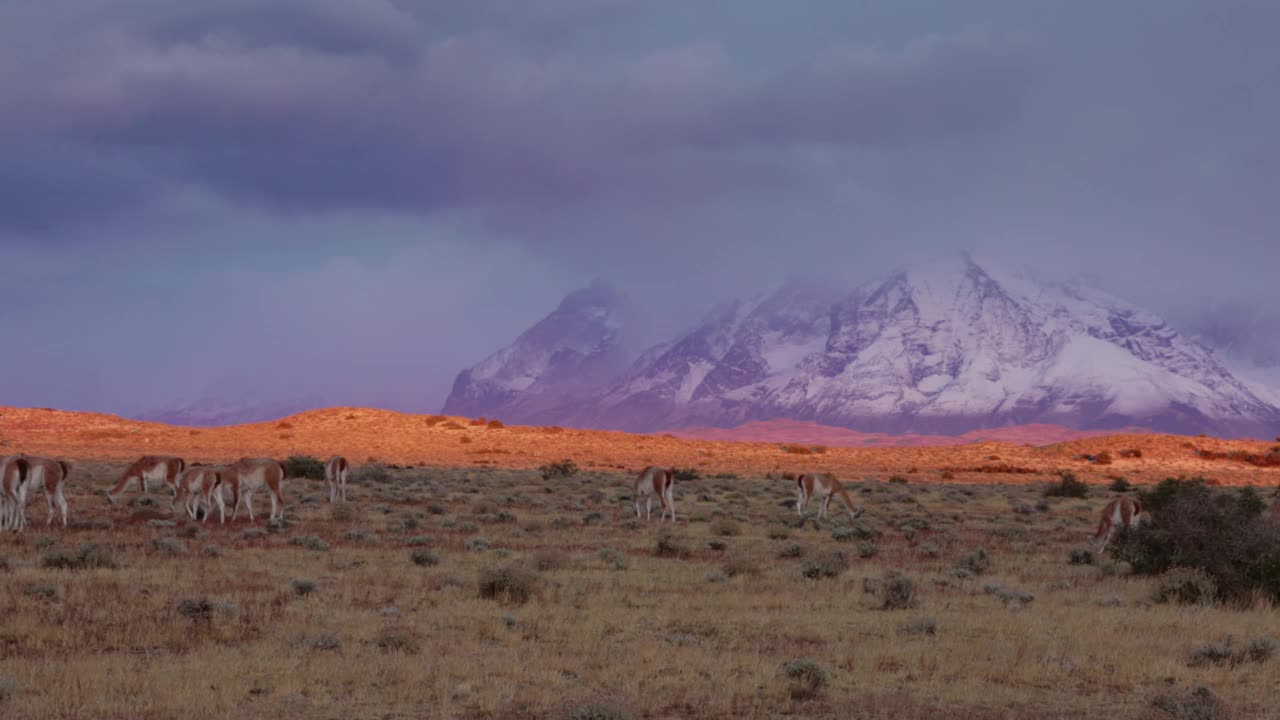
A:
[355,198]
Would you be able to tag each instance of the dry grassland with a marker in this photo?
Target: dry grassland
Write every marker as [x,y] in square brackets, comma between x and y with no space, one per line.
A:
[376,609]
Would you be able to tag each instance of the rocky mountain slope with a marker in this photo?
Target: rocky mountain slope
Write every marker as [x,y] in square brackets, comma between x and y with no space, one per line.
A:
[945,348]
[565,358]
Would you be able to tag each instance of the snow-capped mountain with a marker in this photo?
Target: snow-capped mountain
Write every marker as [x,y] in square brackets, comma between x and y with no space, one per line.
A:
[944,348]
[214,412]
[1245,340]
[572,353]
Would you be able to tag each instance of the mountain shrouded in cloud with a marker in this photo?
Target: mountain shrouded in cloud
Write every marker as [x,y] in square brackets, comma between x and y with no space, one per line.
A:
[943,348]
[352,199]
[573,352]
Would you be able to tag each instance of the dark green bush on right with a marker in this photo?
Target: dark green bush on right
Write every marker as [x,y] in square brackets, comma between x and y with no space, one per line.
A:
[1218,533]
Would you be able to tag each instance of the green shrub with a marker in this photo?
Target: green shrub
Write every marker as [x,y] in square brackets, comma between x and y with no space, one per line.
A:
[1120,485]
[922,626]
[371,474]
[561,469]
[1186,586]
[614,558]
[425,558]
[898,593]
[1068,485]
[303,587]
[1218,533]
[1199,704]
[304,466]
[828,565]
[669,546]
[508,585]
[740,566]
[791,550]
[550,560]
[807,679]
[725,528]
[309,542]
[596,711]
[169,546]
[397,640]
[1229,654]
[88,557]
[977,562]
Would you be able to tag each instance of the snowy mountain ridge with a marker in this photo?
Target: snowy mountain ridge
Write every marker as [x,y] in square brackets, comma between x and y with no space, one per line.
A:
[941,348]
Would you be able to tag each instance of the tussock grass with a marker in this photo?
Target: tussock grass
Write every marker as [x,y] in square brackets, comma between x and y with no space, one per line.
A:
[415,625]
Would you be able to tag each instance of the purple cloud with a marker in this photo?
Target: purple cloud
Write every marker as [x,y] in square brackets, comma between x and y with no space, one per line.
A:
[314,107]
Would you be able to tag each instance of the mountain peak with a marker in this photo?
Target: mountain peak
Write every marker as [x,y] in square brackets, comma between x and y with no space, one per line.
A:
[575,349]
[943,347]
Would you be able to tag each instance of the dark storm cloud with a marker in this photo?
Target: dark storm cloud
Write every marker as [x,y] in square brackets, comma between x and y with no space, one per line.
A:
[425,178]
[317,107]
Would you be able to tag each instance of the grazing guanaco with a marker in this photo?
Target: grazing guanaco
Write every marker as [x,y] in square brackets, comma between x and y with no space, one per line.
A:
[822,487]
[248,475]
[335,473]
[151,469]
[657,481]
[15,472]
[50,476]
[202,484]
[1120,512]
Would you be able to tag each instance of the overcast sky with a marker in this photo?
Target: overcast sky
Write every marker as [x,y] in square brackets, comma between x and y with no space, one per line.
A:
[356,198]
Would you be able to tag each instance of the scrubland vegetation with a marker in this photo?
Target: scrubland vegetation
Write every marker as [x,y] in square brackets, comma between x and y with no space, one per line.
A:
[489,593]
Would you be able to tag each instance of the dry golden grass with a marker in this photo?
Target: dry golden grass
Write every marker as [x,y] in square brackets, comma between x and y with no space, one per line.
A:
[329,617]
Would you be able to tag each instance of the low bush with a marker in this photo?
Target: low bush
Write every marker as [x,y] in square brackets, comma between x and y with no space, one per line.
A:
[561,469]
[807,679]
[595,711]
[669,546]
[1196,527]
[1068,485]
[1199,704]
[550,560]
[1231,655]
[1081,557]
[827,565]
[977,562]
[424,558]
[725,528]
[898,593]
[169,546]
[304,466]
[397,640]
[922,626]
[511,585]
[88,557]
[303,587]
[740,566]
[309,542]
